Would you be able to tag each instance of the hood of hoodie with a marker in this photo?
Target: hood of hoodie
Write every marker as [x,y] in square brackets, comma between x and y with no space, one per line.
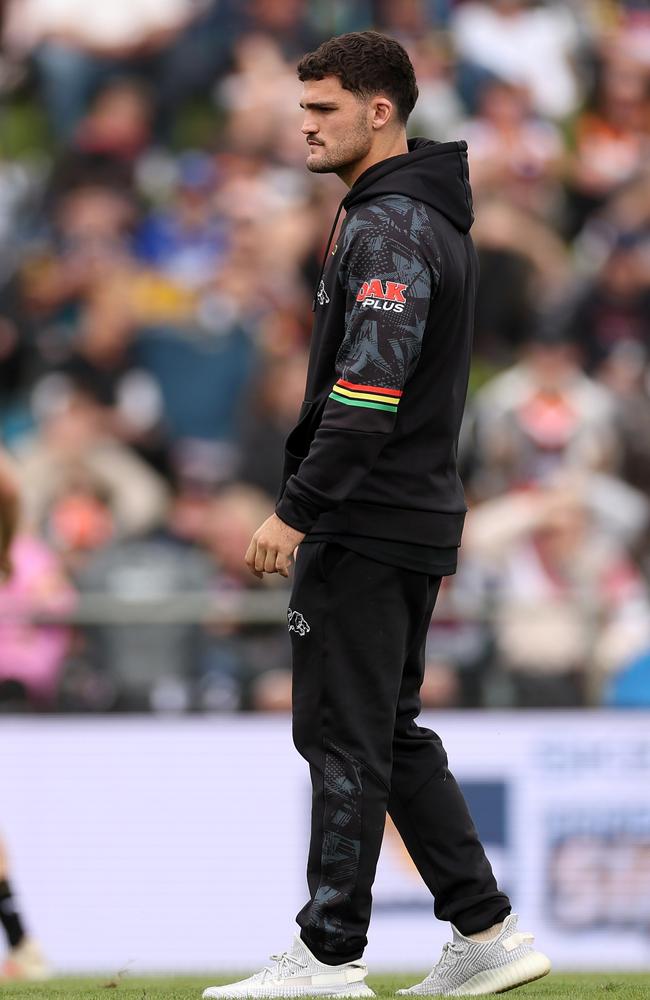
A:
[433,172]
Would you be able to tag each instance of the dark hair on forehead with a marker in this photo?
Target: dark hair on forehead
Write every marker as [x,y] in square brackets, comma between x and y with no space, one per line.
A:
[366,63]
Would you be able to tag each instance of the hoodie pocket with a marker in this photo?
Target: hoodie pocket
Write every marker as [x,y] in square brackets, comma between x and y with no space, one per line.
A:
[300,439]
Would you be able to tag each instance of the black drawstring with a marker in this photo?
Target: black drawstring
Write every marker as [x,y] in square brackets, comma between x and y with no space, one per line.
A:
[327,250]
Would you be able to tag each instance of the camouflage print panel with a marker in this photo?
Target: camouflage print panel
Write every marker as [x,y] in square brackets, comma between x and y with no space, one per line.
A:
[388,243]
[341,847]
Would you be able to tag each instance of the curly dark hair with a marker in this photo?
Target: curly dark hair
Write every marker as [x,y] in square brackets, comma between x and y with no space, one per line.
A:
[366,63]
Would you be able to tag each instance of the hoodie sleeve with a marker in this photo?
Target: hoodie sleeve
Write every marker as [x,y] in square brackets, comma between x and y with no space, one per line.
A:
[390,274]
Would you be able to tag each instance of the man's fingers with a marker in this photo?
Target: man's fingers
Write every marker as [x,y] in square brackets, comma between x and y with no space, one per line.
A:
[270,561]
[260,557]
[283,564]
[264,553]
[250,553]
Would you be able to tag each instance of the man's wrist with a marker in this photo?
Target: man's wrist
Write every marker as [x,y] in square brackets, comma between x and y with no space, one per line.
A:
[294,515]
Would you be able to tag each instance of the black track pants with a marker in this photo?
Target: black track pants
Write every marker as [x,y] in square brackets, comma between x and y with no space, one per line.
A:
[358,630]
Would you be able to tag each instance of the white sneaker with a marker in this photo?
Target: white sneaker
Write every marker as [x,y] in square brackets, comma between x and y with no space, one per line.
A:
[474,968]
[297,973]
[25,961]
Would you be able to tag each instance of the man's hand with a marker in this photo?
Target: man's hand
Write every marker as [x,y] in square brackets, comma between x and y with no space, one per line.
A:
[272,547]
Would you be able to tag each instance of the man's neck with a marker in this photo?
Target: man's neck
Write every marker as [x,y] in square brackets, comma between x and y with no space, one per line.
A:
[352,171]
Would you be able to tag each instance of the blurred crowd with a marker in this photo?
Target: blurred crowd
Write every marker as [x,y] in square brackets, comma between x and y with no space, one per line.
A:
[159,242]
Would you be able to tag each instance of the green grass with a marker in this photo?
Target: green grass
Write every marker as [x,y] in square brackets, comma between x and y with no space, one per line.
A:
[602,986]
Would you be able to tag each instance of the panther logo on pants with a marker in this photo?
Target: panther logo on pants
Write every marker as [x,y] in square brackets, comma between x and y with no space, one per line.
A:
[297,623]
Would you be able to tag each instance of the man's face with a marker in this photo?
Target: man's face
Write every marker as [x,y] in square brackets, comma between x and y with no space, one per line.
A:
[336,126]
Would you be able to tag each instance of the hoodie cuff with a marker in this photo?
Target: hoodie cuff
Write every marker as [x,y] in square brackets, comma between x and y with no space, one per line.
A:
[298,508]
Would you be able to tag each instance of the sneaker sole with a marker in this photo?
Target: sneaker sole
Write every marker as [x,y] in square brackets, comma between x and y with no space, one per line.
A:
[508,977]
[353,990]
[18,973]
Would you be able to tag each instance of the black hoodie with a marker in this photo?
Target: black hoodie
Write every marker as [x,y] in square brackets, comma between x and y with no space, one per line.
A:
[374,449]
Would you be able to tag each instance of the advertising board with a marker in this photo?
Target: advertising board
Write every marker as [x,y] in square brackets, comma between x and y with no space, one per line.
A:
[150,843]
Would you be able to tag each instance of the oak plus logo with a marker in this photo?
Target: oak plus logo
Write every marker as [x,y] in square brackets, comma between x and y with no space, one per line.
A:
[388,296]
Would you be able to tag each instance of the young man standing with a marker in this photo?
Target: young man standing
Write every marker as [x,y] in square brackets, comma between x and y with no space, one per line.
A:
[371,495]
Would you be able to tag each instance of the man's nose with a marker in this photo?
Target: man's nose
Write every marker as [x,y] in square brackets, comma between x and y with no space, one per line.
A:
[309,127]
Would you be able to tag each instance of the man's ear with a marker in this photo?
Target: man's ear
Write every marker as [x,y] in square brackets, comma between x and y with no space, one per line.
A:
[382,112]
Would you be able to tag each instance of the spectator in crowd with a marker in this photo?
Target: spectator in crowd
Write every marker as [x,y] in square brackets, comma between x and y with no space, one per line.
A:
[104,363]
[73,443]
[31,583]
[186,239]
[88,244]
[624,374]
[540,416]
[288,23]
[528,44]
[613,309]
[569,605]
[611,136]
[76,46]
[118,123]
[525,271]
[439,108]
[80,520]
[513,150]
[32,655]
[82,298]
[256,96]
[412,19]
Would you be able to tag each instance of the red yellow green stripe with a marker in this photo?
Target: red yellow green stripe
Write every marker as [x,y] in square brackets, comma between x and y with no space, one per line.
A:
[366,395]
[360,402]
[369,396]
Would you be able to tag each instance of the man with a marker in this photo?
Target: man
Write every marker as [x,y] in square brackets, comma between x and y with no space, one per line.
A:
[372,497]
